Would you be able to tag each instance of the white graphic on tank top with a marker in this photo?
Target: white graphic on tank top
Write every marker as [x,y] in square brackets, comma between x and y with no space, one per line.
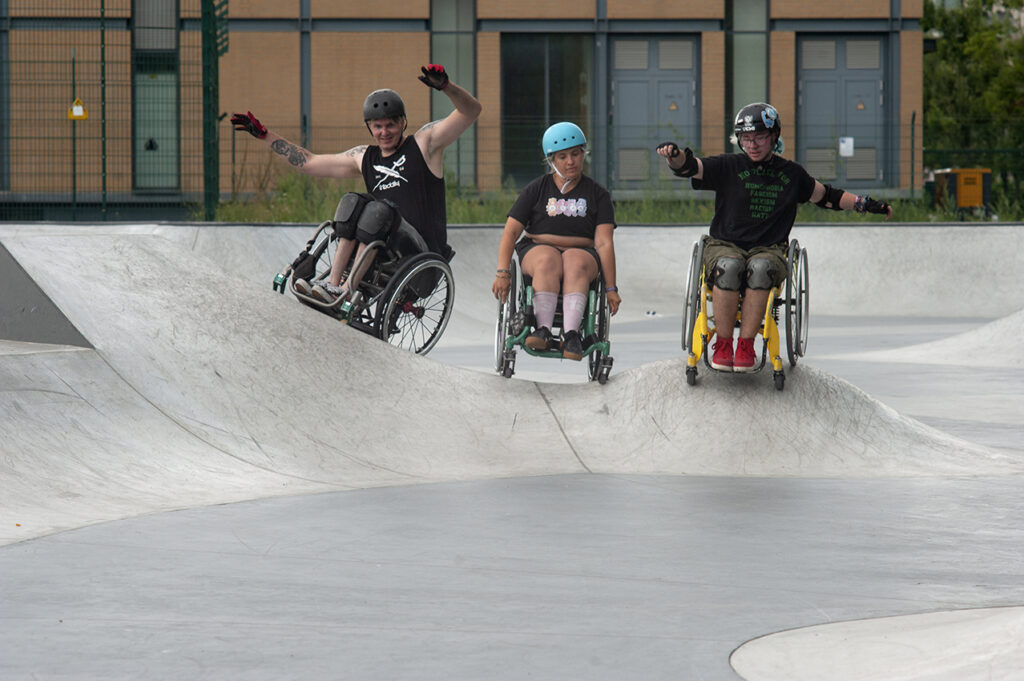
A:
[391,173]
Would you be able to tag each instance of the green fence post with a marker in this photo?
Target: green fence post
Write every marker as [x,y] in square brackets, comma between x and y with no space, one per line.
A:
[215,44]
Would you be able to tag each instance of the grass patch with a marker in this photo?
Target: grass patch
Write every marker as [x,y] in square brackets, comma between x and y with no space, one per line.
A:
[303,199]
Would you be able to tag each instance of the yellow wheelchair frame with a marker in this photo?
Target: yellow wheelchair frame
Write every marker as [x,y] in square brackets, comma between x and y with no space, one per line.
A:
[699,320]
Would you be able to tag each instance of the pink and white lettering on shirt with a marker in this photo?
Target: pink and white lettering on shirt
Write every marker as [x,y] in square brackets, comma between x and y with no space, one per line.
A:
[570,207]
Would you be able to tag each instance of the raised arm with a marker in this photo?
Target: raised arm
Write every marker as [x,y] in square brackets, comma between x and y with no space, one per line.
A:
[435,136]
[344,165]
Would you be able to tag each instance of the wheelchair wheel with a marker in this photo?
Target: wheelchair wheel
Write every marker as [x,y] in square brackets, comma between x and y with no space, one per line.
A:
[599,364]
[797,303]
[416,304]
[694,290]
[505,358]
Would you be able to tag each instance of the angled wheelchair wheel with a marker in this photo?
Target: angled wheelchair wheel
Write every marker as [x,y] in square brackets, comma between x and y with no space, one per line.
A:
[505,326]
[599,363]
[691,300]
[797,303]
[416,305]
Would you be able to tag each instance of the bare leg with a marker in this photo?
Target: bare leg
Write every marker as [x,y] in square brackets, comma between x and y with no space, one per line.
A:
[341,258]
[544,264]
[754,303]
[726,305]
[578,269]
[356,277]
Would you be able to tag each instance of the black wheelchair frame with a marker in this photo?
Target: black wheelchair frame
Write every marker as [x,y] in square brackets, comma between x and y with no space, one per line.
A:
[404,300]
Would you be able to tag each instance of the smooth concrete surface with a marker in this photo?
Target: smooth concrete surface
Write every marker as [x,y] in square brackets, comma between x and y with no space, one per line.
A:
[405,517]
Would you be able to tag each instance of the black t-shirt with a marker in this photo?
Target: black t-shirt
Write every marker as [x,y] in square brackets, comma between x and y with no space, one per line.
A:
[404,178]
[755,203]
[546,210]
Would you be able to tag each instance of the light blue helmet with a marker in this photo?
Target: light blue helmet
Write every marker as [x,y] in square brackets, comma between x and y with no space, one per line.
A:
[561,136]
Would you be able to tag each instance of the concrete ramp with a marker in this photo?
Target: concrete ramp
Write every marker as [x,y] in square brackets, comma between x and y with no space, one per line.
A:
[204,388]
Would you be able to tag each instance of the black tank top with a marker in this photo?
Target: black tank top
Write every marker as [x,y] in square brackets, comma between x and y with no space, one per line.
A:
[404,178]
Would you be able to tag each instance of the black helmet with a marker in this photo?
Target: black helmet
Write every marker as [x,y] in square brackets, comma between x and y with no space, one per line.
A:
[758,117]
[382,104]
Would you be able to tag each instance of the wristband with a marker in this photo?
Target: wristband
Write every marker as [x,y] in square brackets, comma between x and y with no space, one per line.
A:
[611,289]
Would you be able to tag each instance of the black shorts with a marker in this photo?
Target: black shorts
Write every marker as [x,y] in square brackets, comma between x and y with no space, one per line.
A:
[524,245]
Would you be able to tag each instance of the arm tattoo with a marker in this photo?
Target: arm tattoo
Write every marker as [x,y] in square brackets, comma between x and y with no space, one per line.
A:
[356,151]
[294,155]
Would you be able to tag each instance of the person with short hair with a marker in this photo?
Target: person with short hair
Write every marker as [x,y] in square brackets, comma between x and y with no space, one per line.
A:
[407,172]
[757,193]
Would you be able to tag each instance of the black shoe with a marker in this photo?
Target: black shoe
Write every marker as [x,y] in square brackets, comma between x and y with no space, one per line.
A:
[572,346]
[540,339]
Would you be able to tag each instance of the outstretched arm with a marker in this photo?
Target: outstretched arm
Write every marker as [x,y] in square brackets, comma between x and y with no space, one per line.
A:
[682,163]
[827,196]
[435,136]
[345,165]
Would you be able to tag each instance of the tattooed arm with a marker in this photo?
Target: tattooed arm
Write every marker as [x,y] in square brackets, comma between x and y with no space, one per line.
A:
[347,164]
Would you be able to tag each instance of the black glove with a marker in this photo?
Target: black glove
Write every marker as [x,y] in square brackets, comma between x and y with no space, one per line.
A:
[434,75]
[249,124]
[689,167]
[673,148]
[873,206]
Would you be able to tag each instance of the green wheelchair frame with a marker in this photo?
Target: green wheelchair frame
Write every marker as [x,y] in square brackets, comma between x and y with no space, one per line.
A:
[516,321]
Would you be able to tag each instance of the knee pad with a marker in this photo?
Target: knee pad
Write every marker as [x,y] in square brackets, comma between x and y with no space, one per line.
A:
[761,274]
[728,274]
[377,221]
[347,216]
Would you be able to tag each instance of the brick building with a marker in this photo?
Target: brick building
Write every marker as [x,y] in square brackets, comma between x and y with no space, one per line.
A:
[846,78]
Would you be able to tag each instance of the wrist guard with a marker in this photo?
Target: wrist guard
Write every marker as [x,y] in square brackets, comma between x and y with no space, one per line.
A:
[689,167]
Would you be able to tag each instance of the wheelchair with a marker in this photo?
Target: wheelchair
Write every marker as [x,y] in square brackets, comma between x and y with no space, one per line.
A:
[791,299]
[516,320]
[405,297]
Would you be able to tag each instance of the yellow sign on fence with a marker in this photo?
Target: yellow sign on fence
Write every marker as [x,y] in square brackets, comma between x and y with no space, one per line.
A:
[77,112]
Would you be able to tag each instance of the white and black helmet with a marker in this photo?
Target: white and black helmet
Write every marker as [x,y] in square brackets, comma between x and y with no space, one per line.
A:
[383,104]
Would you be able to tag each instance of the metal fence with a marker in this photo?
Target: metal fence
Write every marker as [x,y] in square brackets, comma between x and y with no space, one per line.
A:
[101,113]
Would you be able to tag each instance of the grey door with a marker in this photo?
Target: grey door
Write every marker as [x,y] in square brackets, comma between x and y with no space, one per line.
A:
[842,98]
[654,99]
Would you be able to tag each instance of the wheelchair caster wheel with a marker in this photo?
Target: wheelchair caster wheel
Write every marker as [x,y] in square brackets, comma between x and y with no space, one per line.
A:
[691,375]
[780,380]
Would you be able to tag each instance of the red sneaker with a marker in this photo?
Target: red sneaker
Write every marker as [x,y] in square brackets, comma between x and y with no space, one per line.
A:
[722,358]
[745,355]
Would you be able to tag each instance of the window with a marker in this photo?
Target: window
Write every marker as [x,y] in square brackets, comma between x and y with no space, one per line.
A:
[155,99]
[544,79]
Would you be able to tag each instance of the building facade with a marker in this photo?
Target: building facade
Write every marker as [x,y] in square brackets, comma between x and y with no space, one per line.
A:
[846,78]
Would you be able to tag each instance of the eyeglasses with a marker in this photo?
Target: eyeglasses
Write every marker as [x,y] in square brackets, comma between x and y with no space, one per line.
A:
[760,138]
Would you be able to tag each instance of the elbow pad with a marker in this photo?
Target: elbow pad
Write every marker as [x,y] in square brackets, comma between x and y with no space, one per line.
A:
[831,198]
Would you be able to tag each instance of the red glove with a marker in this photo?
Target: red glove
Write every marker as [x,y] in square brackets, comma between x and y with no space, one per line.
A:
[249,124]
[434,75]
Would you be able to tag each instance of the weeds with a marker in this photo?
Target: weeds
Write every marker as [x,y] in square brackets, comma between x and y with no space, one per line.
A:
[302,199]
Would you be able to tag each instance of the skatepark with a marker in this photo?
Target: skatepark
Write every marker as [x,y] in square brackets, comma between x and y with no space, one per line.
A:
[204,479]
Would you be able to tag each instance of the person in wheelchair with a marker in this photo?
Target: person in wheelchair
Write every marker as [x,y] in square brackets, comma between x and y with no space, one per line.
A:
[405,172]
[756,196]
[566,221]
